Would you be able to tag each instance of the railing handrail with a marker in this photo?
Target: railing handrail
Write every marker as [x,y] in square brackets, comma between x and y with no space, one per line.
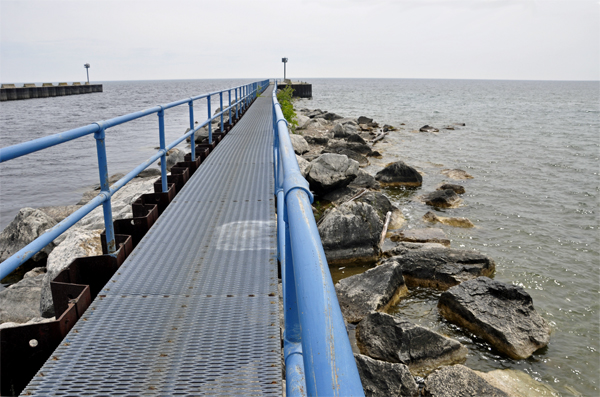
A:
[246,91]
[317,350]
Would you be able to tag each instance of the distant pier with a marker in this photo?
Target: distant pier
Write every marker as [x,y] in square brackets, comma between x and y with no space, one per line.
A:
[9,92]
[301,89]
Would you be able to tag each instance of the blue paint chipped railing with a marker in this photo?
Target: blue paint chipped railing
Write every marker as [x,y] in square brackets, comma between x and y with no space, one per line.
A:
[243,94]
[317,352]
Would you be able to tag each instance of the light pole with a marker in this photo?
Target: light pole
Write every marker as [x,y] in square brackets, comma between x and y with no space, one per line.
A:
[87,69]
[284,60]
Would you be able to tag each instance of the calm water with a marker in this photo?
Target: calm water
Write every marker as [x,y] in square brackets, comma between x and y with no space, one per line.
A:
[532,147]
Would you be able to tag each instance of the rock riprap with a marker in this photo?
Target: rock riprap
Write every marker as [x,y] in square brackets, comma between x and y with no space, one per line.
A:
[442,199]
[399,174]
[429,235]
[450,221]
[459,381]
[28,224]
[21,301]
[383,379]
[456,174]
[388,338]
[382,205]
[299,144]
[500,313]
[376,289]
[350,233]
[458,189]
[442,268]
[331,171]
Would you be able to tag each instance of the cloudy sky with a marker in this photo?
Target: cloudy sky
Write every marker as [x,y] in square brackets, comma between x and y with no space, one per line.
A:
[47,40]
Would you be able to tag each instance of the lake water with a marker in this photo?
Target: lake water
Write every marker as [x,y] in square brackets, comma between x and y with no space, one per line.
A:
[532,147]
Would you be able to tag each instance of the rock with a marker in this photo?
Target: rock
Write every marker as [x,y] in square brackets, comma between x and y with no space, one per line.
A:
[28,224]
[339,131]
[21,301]
[428,128]
[387,128]
[354,146]
[364,120]
[450,221]
[399,174]
[458,189]
[356,139]
[314,113]
[442,268]
[517,383]
[458,380]
[382,205]
[364,179]
[78,243]
[199,136]
[59,212]
[111,180]
[149,173]
[331,171]
[403,247]
[429,235]
[500,313]
[362,160]
[380,378]
[299,143]
[174,156]
[460,124]
[331,116]
[456,174]
[315,140]
[301,120]
[36,271]
[378,288]
[304,165]
[34,320]
[365,127]
[340,196]
[350,233]
[396,340]
[449,127]
[442,199]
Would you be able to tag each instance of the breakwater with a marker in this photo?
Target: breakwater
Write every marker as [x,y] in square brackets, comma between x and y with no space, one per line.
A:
[9,92]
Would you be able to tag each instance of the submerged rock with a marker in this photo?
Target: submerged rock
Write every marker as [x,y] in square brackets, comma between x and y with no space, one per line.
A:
[392,339]
[458,380]
[429,235]
[517,383]
[28,224]
[376,289]
[450,221]
[331,171]
[500,313]
[458,189]
[456,174]
[380,378]
[399,174]
[442,199]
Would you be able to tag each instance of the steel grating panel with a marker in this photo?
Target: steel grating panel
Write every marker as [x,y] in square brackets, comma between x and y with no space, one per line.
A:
[193,310]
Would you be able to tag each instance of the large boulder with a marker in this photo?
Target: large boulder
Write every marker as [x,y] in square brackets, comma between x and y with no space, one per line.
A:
[456,174]
[77,243]
[450,221]
[399,174]
[299,143]
[429,235]
[364,120]
[459,381]
[301,120]
[362,160]
[382,205]
[458,189]
[59,212]
[28,225]
[329,116]
[428,128]
[350,233]
[361,148]
[383,379]
[442,199]
[502,314]
[376,289]
[304,165]
[517,383]
[21,301]
[396,340]
[442,268]
[331,171]
[174,156]
[364,179]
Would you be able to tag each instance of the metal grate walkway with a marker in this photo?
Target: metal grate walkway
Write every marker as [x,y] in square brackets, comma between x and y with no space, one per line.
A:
[194,309]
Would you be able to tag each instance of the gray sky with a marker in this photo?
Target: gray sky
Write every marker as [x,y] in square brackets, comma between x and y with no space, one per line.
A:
[176,39]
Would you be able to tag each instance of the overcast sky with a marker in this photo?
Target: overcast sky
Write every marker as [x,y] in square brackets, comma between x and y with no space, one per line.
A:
[194,39]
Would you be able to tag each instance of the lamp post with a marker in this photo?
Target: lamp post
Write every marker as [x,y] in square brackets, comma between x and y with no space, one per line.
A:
[87,69]
[284,60]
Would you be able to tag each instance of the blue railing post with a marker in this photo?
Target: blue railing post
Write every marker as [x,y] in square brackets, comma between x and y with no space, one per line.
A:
[237,105]
[209,120]
[221,104]
[163,157]
[229,96]
[111,246]
[193,136]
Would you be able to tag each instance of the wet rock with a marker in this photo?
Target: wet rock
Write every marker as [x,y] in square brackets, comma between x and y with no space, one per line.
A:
[382,205]
[364,120]
[458,189]
[396,340]
[364,179]
[299,143]
[376,289]
[399,174]
[442,199]
[28,224]
[450,221]
[458,380]
[500,313]
[428,128]
[21,301]
[362,160]
[304,165]
[350,233]
[331,171]
[429,235]
[449,127]
[517,383]
[403,247]
[77,243]
[387,128]
[442,268]
[456,174]
[59,212]
[354,146]
[174,156]
[380,378]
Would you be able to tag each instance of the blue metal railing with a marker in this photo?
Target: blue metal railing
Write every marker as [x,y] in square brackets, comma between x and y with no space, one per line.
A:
[243,95]
[318,356]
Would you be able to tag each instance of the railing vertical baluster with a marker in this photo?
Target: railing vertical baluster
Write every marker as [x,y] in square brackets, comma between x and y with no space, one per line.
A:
[193,136]
[221,103]
[237,112]
[209,120]
[105,189]
[229,96]
[163,158]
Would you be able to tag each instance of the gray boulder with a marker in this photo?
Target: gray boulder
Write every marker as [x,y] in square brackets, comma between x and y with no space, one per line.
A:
[362,160]
[383,379]
[459,381]
[456,174]
[28,224]
[149,173]
[174,156]
[376,289]
[382,205]
[396,340]
[304,165]
[364,179]
[355,138]
[399,174]
[442,268]
[59,212]
[301,120]
[429,235]
[299,143]
[315,113]
[500,313]
[350,233]
[428,128]
[364,120]
[360,148]
[442,199]
[21,301]
[458,189]
[316,140]
[331,171]
[331,116]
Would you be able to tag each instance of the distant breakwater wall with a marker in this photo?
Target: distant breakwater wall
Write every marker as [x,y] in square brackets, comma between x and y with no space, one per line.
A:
[9,92]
